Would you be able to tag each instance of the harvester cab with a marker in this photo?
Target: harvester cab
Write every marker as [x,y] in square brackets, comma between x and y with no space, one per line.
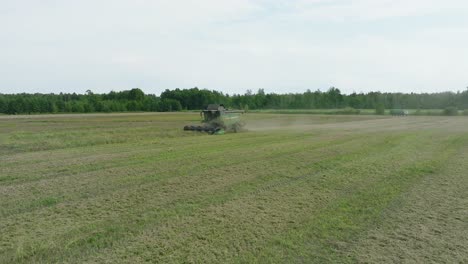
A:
[217,120]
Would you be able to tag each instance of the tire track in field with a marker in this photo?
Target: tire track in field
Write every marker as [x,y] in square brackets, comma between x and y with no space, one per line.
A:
[146,200]
[244,196]
[428,223]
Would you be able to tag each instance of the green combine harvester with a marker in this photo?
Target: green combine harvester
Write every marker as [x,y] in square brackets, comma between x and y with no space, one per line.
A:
[218,120]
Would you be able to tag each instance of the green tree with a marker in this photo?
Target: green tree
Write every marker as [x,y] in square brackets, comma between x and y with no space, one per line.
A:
[451,111]
[380,109]
[136,94]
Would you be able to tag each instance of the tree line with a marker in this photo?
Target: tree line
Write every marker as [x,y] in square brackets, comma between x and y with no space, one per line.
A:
[125,101]
[195,99]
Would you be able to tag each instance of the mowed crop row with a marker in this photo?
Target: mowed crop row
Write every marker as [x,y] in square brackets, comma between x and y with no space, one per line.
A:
[135,187]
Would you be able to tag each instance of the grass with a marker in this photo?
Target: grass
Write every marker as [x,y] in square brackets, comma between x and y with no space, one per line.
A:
[293,188]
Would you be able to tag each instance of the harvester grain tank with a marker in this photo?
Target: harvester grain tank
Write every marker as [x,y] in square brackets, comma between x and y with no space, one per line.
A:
[216,119]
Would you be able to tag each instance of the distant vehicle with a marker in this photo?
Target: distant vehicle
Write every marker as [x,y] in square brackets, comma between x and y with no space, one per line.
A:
[217,119]
[399,112]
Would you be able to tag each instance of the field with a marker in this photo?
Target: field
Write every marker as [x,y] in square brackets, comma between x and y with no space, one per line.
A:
[111,188]
[352,111]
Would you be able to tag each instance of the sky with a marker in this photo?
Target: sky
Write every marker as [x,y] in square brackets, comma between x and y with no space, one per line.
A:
[233,45]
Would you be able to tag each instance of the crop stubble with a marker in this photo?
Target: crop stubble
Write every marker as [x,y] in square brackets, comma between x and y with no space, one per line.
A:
[134,187]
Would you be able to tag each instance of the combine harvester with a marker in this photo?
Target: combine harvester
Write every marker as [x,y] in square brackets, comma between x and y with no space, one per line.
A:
[217,120]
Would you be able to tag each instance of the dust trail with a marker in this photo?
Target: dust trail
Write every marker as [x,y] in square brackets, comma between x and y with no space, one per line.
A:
[353,123]
[287,122]
[301,122]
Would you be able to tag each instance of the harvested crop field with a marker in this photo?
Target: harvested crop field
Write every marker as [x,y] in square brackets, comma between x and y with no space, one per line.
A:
[129,188]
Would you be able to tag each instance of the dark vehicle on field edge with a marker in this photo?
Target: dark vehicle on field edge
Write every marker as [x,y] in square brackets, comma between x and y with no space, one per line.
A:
[398,112]
[217,120]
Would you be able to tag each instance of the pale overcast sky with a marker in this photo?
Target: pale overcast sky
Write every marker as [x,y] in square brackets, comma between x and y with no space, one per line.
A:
[282,46]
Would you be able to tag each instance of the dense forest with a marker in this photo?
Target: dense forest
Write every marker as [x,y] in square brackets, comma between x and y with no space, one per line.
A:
[194,99]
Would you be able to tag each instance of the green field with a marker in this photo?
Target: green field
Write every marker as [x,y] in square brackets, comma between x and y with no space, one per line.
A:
[111,188]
